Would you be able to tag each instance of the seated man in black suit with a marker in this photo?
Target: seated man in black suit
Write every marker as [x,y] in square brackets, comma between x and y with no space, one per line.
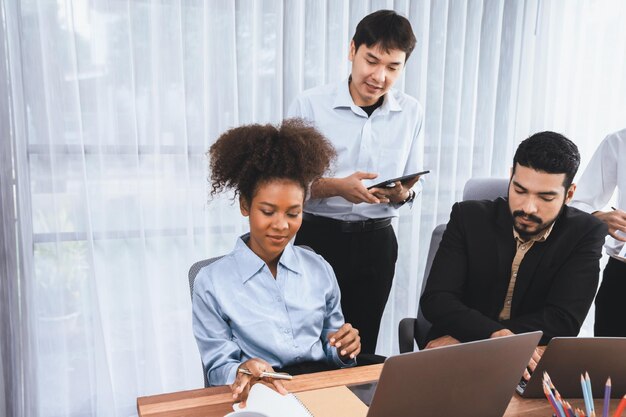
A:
[528,262]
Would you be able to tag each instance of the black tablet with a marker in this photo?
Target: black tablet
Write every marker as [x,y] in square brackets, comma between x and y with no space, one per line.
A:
[391,182]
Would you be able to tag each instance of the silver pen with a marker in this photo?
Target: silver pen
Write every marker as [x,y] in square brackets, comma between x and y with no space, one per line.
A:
[274,375]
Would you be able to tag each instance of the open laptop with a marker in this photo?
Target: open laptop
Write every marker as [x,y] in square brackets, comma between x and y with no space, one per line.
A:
[475,379]
[566,358]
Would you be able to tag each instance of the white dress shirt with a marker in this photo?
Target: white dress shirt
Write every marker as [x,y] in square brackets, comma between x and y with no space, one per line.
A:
[389,143]
[606,170]
[240,311]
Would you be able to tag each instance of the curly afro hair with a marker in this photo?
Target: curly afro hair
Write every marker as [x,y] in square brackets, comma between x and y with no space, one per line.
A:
[246,156]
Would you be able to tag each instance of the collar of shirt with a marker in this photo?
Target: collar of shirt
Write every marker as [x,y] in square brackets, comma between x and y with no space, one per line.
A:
[534,239]
[250,264]
[344,99]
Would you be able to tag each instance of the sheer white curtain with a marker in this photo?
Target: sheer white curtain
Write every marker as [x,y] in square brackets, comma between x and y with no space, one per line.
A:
[108,107]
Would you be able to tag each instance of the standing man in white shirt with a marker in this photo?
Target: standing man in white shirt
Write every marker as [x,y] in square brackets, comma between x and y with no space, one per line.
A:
[605,172]
[377,132]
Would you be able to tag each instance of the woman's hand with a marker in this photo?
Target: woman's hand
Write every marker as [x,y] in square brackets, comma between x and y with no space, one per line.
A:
[243,382]
[347,341]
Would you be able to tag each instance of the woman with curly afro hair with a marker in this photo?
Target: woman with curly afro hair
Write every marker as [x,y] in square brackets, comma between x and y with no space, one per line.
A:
[269,305]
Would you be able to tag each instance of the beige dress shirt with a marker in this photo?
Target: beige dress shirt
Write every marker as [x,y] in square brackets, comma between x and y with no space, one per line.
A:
[522,248]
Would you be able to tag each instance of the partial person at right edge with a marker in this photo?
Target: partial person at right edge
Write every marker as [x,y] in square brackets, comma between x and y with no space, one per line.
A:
[596,186]
[521,264]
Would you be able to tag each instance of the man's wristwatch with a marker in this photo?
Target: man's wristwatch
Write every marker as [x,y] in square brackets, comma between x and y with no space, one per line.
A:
[410,197]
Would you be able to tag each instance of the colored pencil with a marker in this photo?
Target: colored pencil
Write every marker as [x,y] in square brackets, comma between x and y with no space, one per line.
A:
[556,393]
[607,398]
[558,407]
[591,405]
[583,385]
[550,398]
[620,407]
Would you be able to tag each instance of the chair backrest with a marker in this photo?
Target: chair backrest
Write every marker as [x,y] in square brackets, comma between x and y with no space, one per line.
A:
[193,272]
[422,326]
[195,268]
[485,188]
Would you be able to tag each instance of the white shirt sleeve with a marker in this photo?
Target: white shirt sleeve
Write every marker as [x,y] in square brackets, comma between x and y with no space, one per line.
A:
[597,184]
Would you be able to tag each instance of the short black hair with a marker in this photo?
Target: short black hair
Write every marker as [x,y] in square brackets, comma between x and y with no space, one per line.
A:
[386,29]
[549,152]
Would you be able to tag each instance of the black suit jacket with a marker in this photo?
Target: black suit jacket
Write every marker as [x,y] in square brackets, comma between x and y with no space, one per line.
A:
[555,285]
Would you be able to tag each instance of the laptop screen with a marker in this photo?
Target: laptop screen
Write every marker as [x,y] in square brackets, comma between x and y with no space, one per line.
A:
[475,379]
[566,358]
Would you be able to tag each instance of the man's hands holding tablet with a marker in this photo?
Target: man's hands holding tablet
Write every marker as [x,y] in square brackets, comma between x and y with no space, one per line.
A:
[351,188]
[396,190]
[403,179]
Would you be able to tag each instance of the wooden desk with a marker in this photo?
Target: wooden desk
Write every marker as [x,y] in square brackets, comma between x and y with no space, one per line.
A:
[217,401]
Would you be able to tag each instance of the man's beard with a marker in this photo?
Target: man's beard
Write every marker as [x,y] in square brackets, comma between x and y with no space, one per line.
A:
[541,226]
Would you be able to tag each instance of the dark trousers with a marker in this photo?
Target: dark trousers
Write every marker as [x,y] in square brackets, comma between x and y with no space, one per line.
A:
[610,306]
[364,264]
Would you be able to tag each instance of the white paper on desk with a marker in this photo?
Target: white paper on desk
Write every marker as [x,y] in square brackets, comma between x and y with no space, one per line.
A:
[265,400]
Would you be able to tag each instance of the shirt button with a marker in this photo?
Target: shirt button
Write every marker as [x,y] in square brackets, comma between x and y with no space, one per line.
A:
[278,299]
[515,275]
[508,303]
[286,331]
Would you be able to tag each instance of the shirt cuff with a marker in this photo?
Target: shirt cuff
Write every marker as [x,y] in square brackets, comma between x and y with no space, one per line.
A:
[226,374]
[341,364]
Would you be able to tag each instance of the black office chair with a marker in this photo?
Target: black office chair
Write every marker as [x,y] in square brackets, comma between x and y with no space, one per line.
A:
[416,329]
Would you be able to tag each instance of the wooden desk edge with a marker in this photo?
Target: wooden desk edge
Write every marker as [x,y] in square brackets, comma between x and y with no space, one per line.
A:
[162,403]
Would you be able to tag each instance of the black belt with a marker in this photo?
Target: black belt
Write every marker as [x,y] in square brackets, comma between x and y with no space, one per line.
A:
[353,226]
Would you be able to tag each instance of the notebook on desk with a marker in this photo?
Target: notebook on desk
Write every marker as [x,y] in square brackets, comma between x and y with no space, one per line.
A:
[475,379]
[324,402]
[566,358]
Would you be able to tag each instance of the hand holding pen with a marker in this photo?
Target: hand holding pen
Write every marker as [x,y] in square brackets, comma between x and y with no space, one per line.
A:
[252,371]
[275,375]
[616,220]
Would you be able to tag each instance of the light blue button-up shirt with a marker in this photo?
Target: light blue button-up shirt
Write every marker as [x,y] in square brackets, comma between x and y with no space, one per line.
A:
[389,143]
[240,311]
